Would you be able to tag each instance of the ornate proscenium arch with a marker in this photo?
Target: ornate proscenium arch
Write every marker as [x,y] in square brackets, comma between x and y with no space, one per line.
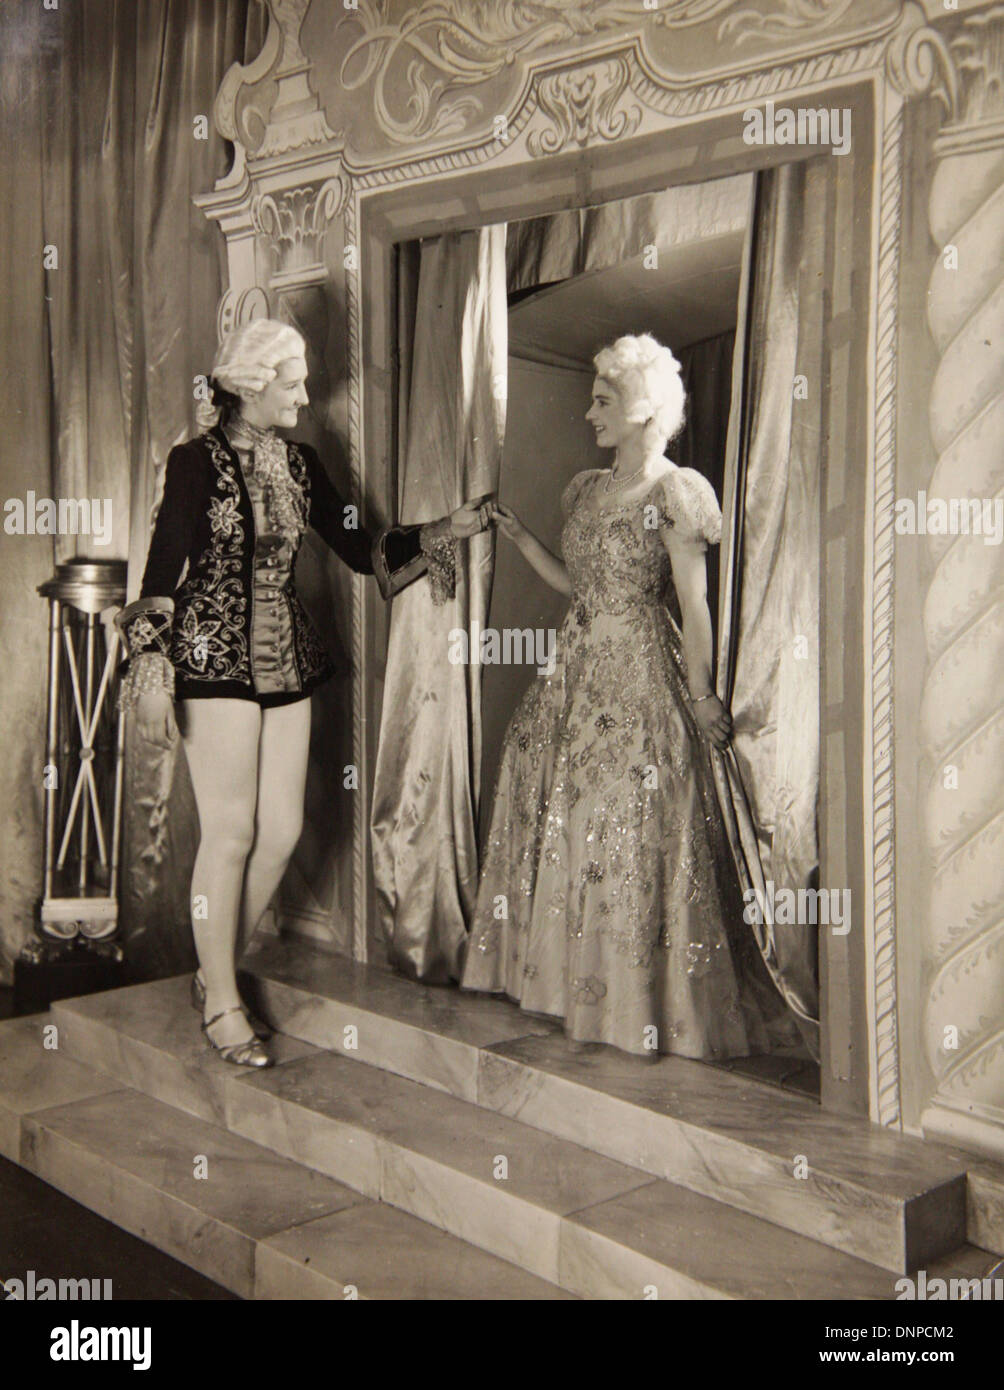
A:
[405,94]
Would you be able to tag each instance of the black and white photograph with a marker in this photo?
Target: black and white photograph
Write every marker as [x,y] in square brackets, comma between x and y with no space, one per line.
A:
[502,619]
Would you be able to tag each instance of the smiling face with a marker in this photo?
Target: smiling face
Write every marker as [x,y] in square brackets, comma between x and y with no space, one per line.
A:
[606,415]
[278,404]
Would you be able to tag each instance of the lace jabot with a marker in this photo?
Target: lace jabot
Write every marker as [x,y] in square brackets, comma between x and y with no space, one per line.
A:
[285,503]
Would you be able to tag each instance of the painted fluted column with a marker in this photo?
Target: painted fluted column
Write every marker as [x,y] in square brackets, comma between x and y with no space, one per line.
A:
[962,712]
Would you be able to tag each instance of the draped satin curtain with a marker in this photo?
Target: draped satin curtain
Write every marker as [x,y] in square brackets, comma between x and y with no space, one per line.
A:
[541,250]
[128,318]
[428,768]
[768,666]
[25,561]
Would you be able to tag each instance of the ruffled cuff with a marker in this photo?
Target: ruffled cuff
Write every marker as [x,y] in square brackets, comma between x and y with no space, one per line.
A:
[145,626]
[148,673]
[439,546]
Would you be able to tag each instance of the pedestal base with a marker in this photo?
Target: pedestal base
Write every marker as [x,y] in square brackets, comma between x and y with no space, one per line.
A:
[48,970]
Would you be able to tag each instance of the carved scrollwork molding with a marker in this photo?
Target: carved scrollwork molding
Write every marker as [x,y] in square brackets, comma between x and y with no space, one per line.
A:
[582,105]
[294,223]
[238,307]
[919,62]
[418,69]
[286,118]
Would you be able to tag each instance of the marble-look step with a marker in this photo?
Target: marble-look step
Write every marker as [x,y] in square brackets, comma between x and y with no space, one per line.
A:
[885,1198]
[597,1227]
[148,1037]
[243,1215]
[35,1074]
[985,1201]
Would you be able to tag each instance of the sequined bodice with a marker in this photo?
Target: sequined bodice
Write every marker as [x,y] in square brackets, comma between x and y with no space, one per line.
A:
[615,557]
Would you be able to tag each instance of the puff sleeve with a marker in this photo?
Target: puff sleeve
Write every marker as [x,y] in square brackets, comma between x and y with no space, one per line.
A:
[690,508]
[571,493]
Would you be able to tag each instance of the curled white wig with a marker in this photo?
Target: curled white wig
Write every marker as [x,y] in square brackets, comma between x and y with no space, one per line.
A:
[646,377]
[247,360]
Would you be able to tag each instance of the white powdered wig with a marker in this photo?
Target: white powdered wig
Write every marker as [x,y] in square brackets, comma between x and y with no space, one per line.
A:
[247,359]
[248,356]
[646,377]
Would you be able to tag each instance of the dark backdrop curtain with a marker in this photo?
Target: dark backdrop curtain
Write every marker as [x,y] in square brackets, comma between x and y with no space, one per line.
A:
[706,369]
[103,96]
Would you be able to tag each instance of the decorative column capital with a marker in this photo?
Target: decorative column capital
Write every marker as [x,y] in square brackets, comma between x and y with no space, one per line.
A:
[919,62]
[295,223]
[977,49]
[960,63]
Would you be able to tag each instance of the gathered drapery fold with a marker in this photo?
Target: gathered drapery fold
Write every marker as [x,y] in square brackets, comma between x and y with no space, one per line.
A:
[768,641]
[560,245]
[428,767]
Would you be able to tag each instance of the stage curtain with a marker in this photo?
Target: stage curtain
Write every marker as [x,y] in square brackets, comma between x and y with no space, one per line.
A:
[109,145]
[768,651]
[428,768]
[542,250]
[25,417]
[706,371]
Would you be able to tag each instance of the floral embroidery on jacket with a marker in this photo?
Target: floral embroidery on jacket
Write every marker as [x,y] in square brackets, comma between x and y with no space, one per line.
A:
[224,516]
[210,640]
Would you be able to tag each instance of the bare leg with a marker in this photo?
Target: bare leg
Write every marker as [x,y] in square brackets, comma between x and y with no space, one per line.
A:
[221,743]
[282,776]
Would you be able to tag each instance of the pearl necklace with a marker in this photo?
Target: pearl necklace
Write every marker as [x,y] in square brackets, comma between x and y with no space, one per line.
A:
[611,486]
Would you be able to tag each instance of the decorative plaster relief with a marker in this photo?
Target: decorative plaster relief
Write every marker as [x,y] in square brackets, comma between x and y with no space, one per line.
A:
[403,73]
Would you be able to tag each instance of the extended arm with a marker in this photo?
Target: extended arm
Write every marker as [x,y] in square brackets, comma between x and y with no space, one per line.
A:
[397,555]
[548,566]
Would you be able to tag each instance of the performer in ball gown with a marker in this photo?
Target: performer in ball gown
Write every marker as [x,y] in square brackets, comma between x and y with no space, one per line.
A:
[219,627]
[607,895]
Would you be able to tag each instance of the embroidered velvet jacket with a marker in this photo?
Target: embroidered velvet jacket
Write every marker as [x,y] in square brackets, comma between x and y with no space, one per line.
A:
[196,603]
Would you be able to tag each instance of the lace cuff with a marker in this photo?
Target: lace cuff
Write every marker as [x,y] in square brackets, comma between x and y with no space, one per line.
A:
[148,672]
[439,546]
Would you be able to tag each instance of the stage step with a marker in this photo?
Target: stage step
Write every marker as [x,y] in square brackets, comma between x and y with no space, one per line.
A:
[597,1227]
[239,1213]
[883,1197]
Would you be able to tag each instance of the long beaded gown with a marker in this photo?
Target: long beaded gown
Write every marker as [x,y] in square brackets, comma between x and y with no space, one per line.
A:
[607,895]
